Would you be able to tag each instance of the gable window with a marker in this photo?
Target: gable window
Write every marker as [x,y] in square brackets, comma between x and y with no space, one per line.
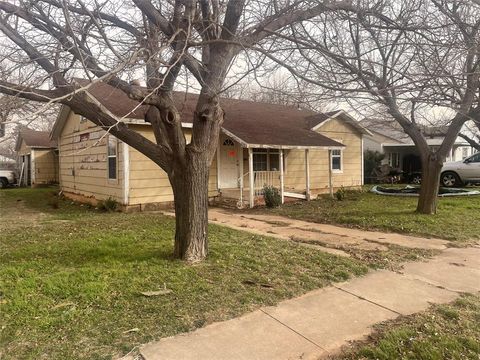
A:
[266,160]
[112,158]
[336,160]
[228,142]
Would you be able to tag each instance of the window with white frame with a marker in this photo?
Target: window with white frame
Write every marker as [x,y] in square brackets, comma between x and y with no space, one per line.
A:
[394,160]
[336,160]
[266,160]
[112,158]
[465,152]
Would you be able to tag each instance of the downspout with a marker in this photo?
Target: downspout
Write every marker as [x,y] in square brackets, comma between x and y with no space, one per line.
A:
[126,174]
[362,180]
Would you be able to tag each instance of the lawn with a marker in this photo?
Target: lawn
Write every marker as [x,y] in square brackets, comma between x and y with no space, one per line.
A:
[71,278]
[457,217]
[449,331]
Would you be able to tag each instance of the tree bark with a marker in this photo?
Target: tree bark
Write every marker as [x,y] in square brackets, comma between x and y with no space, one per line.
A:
[190,189]
[431,171]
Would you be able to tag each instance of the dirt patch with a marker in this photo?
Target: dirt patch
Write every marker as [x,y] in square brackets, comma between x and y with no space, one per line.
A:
[332,236]
[17,214]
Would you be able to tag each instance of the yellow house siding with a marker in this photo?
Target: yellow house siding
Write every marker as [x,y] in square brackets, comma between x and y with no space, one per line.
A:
[351,174]
[148,182]
[83,161]
[24,149]
[46,166]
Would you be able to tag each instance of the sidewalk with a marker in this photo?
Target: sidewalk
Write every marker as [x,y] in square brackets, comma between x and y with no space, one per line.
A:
[320,322]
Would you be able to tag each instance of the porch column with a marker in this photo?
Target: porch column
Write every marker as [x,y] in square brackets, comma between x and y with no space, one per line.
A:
[32,168]
[307,175]
[240,170]
[330,177]
[218,164]
[281,177]
[250,177]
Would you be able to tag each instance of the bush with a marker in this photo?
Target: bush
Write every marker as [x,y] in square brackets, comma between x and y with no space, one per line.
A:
[272,196]
[341,194]
[372,159]
[109,205]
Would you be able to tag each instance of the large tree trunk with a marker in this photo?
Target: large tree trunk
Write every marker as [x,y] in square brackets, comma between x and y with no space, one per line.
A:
[431,171]
[190,189]
[188,168]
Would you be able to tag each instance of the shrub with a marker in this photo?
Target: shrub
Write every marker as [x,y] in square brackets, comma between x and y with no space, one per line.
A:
[109,204]
[341,193]
[372,159]
[272,196]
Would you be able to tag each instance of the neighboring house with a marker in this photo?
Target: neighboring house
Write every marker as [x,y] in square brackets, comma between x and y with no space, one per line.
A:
[37,158]
[400,151]
[256,139]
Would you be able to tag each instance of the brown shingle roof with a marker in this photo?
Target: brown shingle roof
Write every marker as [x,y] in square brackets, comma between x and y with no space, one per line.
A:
[252,122]
[37,139]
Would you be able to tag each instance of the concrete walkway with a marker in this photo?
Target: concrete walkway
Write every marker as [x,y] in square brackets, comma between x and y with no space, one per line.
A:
[331,235]
[320,322]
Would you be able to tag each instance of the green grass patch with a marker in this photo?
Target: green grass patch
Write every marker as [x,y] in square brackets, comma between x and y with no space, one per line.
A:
[71,278]
[444,332]
[457,217]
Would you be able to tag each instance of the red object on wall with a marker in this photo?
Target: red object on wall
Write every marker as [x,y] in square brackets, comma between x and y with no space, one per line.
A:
[232,153]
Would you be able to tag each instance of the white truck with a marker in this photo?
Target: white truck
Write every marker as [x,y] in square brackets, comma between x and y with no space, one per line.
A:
[7,178]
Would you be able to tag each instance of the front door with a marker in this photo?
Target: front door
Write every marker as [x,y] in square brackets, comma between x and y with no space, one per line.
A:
[228,166]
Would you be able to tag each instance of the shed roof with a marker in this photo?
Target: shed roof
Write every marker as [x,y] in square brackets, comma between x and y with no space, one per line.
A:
[35,139]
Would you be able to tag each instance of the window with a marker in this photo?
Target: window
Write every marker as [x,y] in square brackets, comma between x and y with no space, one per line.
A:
[228,142]
[475,158]
[465,152]
[260,161]
[112,158]
[336,160]
[394,160]
[266,160]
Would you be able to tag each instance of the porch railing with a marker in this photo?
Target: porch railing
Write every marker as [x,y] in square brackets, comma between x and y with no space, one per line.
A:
[260,179]
[265,178]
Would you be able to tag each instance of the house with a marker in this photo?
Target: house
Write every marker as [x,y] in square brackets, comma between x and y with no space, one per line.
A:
[260,144]
[400,152]
[37,158]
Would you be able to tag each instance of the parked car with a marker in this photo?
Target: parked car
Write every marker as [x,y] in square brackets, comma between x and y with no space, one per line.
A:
[457,173]
[414,177]
[7,177]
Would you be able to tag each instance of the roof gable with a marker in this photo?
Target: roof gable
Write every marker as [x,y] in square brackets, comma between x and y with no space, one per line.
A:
[342,116]
[35,139]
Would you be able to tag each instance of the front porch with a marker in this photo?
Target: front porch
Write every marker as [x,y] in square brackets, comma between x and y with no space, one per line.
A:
[243,170]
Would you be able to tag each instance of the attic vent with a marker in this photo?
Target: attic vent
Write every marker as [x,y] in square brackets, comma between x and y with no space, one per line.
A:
[228,142]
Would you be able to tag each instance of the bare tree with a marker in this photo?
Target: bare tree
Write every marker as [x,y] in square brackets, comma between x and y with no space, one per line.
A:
[408,59]
[473,135]
[55,40]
